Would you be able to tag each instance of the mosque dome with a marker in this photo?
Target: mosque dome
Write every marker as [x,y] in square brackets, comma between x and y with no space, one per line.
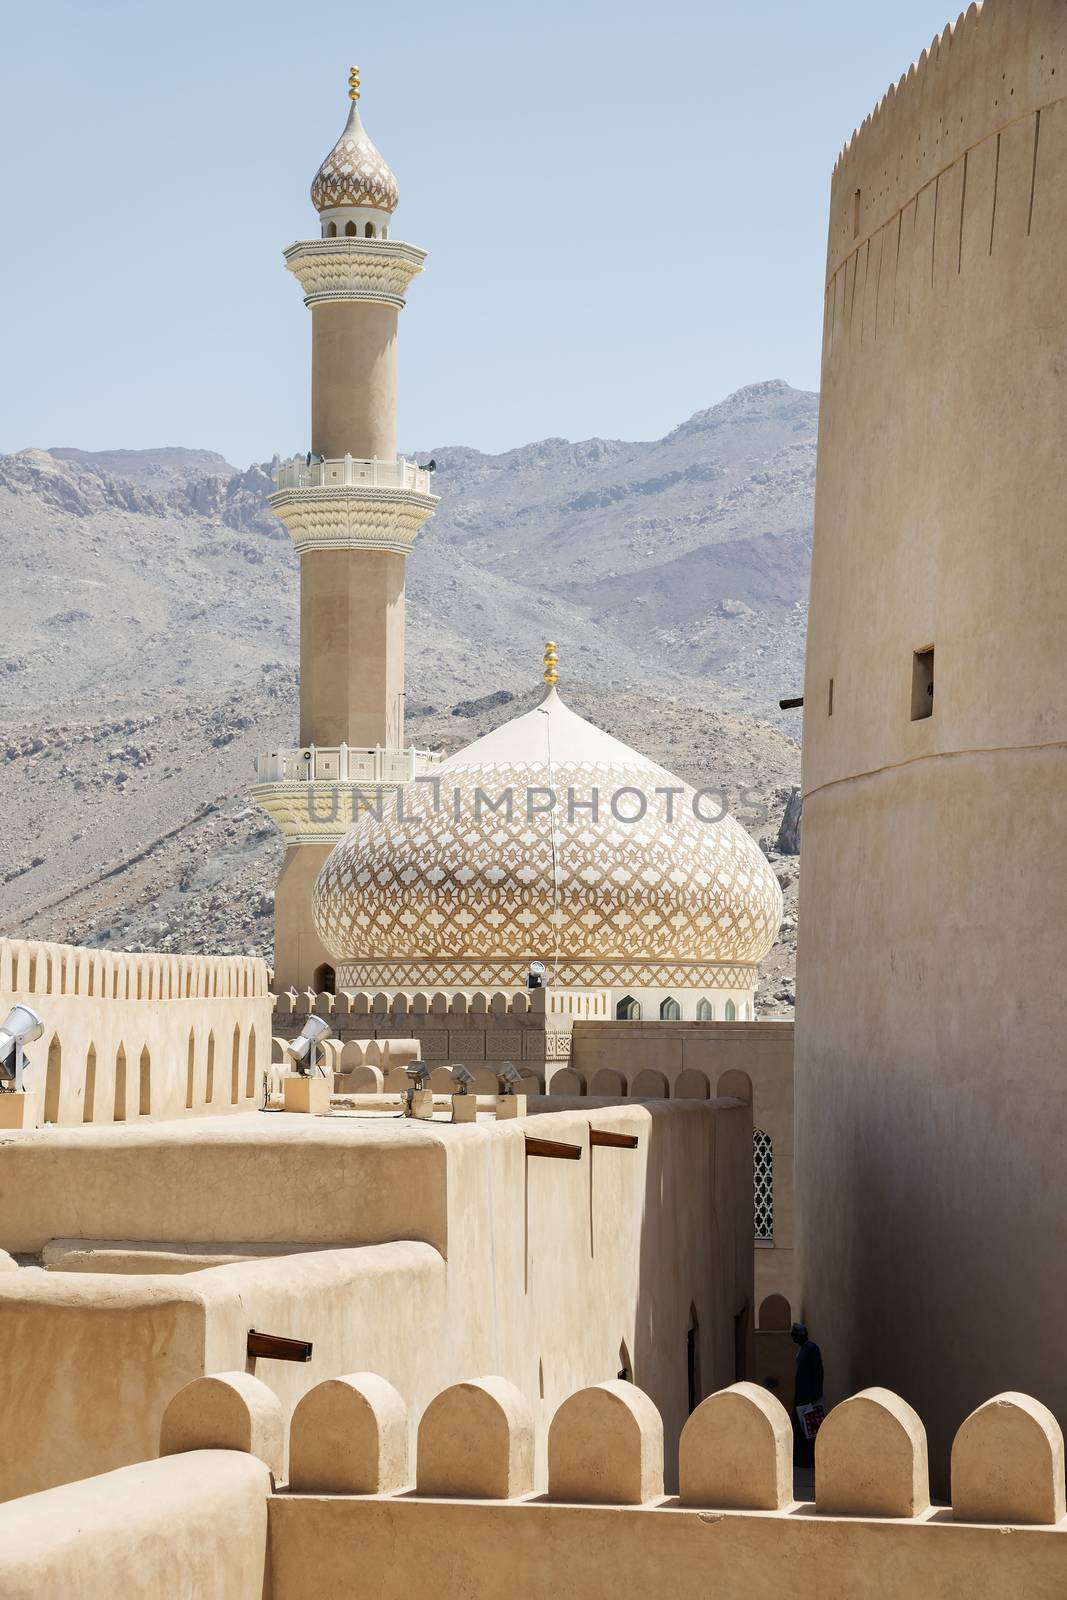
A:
[354,173]
[463,881]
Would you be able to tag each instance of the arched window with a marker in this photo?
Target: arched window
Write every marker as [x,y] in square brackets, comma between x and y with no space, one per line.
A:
[731,1011]
[144,1083]
[350,230]
[324,979]
[746,1011]
[331,230]
[705,1011]
[762,1185]
[628,1010]
[670,1011]
[368,231]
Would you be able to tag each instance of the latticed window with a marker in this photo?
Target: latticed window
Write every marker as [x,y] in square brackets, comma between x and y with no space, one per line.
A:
[762,1184]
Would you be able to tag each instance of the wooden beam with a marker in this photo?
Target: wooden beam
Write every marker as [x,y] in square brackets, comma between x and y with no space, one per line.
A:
[553,1148]
[276,1348]
[613,1141]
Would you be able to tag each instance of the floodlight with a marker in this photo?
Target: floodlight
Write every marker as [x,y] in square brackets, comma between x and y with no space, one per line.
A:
[463,1076]
[509,1077]
[419,1073]
[304,1049]
[21,1027]
[535,978]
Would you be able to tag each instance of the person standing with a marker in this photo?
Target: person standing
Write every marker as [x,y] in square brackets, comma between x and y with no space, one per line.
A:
[808,1404]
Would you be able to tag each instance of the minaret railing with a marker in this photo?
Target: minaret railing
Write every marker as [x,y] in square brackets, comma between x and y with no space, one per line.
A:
[349,472]
[344,763]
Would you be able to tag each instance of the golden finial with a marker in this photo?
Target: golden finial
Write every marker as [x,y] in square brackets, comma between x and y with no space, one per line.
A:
[551,663]
[353,83]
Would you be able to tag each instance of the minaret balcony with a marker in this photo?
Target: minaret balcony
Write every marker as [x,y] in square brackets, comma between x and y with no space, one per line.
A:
[314,794]
[350,473]
[350,504]
[345,763]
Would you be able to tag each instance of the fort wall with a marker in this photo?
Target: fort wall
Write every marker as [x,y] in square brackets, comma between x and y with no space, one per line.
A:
[931,1116]
[452,1502]
[423,1250]
[132,1038]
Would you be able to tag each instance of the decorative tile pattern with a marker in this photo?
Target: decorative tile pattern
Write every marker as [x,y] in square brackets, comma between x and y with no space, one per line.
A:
[463,889]
[354,173]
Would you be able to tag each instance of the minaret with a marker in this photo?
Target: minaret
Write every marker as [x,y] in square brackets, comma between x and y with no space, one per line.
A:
[352,508]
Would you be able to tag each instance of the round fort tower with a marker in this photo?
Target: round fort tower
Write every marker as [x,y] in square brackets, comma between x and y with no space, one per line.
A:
[352,508]
[931,1113]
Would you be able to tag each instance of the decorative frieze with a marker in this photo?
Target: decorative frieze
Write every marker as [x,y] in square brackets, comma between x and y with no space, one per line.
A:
[475,973]
[354,269]
[353,518]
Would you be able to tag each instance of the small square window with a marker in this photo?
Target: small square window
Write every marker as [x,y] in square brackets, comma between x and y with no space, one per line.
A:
[922,684]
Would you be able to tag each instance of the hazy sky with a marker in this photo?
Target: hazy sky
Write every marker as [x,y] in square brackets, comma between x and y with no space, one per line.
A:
[624,207]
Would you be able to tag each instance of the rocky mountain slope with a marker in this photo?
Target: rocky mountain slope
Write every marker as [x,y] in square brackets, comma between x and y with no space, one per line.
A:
[152,648]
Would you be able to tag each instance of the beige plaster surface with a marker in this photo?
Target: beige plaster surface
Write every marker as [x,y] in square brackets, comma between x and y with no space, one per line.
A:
[403,1548]
[747,1059]
[455,1254]
[353,381]
[192,1525]
[298,950]
[932,1116]
[143,1338]
[352,648]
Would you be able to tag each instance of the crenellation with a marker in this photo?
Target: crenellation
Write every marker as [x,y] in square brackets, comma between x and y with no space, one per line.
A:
[870,1458]
[1007,1464]
[476,1439]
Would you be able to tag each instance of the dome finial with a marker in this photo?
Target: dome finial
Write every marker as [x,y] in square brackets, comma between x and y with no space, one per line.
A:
[353,83]
[551,663]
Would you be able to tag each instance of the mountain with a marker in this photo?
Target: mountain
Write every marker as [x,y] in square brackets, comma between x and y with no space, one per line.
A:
[154,646]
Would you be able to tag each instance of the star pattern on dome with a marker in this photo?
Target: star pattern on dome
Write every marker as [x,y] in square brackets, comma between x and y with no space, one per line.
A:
[354,173]
[426,886]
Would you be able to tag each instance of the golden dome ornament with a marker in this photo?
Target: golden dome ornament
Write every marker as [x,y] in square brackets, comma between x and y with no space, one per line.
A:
[551,662]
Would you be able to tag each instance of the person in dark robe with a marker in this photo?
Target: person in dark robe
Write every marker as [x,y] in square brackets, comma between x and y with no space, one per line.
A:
[807,1391]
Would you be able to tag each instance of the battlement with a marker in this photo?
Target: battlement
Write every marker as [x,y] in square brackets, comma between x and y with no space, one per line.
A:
[459,1513]
[999,64]
[138,1035]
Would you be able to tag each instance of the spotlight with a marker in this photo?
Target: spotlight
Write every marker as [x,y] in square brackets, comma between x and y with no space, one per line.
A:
[21,1027]
[418,1103]
[535,978]
[462,1076]
[304,1050]
[509,1078]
